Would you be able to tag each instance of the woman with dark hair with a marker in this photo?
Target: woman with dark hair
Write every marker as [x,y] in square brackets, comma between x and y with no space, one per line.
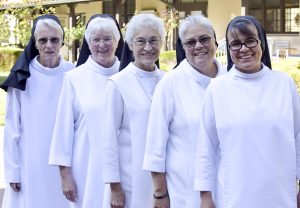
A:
[33,87]
[174,115]
[250,128]
[76,136]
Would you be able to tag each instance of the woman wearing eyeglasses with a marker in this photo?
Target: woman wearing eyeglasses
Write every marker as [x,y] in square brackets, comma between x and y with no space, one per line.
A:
[77,131]
[128,99]
[33,87]
[251,119]
[174,116]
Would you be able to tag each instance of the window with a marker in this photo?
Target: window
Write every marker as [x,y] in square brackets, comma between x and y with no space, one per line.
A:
[277,16]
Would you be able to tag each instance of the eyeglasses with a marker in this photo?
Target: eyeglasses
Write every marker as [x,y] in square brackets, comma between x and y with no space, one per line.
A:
[43,41]
[105,40]
[192,42]
[143,42]
[236,45]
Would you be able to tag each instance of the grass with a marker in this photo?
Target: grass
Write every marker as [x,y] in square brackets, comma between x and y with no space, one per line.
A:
[290,66]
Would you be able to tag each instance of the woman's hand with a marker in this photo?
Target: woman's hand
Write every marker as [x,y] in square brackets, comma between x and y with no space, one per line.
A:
[68,183]
[162,203]
[15,186]
[206,200]
[117,198]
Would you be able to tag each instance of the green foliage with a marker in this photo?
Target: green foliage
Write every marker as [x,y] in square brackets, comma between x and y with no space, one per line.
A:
[74,33]
[290,66]
[24,17]
[4,27]
[8,56]
[170,17]
[167,60]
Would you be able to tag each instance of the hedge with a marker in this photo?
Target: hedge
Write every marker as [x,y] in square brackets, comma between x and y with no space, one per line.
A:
[8,57]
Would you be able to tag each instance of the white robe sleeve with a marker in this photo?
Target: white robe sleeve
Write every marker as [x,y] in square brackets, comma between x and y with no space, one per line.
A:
[12,135]
[161,114]
[112,117]
[63,134]
[296,110]
[207,147]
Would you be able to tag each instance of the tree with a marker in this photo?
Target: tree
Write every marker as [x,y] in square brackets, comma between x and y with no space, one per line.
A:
[24,17]
[170,17]
[4,27]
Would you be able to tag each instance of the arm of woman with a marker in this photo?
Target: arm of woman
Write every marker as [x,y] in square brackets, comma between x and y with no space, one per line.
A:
[61,150]
[112,116]
[207,152]
[12,135]
[68,183]
[161,196]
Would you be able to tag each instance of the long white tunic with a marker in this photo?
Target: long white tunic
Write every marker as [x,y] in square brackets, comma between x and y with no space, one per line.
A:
[77,124]
[128,95]
[172,131]
[253,120]
[29,124]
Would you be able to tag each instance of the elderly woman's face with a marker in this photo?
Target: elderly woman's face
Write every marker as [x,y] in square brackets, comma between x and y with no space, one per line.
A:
[103,46]
[199,46]
[48,43]
[245,51]
[146,45]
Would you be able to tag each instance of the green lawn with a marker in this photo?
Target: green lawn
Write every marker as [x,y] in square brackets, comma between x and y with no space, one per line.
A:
[290,66]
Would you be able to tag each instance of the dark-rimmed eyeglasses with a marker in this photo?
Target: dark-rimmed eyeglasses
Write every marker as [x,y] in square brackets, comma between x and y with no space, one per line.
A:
[192,42]
[43,41]
[143,42]
[237,45]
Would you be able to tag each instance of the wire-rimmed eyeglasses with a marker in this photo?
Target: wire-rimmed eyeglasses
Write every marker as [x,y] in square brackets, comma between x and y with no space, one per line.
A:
[192,42]
[143,42]
[237,45]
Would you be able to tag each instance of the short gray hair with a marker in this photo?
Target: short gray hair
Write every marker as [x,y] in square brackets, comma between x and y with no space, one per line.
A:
[140,21]
[104,24]
[50,23]
[193,20]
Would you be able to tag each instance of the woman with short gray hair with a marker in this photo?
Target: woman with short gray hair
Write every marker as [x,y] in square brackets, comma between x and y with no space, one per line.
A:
[128,99]
[76,136]
[175,116]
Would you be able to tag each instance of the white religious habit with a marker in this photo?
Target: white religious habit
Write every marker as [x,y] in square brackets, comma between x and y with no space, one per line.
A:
[77,126]
[173,128]
[253,121]
[128,99]
[29,124]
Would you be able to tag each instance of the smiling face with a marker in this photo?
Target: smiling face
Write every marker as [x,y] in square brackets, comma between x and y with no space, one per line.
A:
[145,46]
[48,43]
[246,59]
[103,46]
[203,53]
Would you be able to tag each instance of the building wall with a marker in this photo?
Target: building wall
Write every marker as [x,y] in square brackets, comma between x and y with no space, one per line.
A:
[144,5]
[220,12]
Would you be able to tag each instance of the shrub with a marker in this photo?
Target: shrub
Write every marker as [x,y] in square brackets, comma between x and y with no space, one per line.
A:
[8,57]
[167,60]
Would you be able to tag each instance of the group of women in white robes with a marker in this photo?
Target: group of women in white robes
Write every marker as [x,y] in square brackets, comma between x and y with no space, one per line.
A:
[33,88]
[78,119]
[174,116]
[249,129]
[121,134]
